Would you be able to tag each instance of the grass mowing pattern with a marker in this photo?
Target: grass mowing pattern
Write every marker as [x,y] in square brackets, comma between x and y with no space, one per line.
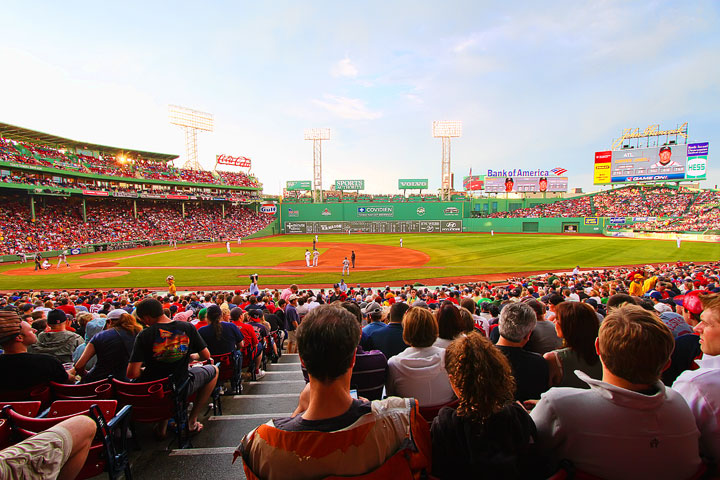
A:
[457,254]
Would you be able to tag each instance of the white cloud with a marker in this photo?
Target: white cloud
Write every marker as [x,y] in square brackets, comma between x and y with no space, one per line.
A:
[344,68]
[349,108]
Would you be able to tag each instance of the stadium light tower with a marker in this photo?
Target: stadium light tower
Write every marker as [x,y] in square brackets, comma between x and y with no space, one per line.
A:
[446,129]
[317,135]
[191,121]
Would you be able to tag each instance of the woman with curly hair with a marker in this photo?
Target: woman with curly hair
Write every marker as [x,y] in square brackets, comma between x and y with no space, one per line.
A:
[488,435]
[577,324]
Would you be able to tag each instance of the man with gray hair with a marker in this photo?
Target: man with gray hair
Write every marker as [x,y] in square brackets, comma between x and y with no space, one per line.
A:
[532,377]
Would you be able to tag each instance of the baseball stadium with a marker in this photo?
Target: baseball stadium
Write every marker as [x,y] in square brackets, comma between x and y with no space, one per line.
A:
[311,283]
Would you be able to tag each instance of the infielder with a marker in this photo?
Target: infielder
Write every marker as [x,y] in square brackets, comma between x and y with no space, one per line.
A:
[227,246]
[678,240]
[316,257]
[401,243]
[239,241]
[346,267]
[316,238]
[307,257]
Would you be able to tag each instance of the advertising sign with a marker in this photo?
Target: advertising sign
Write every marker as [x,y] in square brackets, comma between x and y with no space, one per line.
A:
[384,211]
[234,161]
[349,185]
[298,185]
[269,208]
[525,184]
[96,193]
[413,184]
[616,220]
[474,182]
[384,226]
[591,221]
[666,162]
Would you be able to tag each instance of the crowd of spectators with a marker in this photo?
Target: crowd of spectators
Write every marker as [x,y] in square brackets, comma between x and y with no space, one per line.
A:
[643,201]
[59,224]
[108,165]
[573,207]
[624,343]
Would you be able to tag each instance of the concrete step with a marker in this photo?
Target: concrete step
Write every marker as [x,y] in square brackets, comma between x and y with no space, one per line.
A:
[283,367]
[289,358]
[264,387]
[208,464]
[242,404]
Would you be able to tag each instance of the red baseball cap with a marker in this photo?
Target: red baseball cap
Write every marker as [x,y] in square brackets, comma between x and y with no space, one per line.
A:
[691,301]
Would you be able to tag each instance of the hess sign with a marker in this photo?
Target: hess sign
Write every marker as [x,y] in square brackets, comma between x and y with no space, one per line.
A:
[234,161]
[269,208]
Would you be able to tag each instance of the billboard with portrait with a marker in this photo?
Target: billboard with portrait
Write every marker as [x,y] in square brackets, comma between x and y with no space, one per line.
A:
[666,162]
[526,184]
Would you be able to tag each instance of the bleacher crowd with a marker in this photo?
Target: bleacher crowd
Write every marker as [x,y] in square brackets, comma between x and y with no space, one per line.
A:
[607,374]
[59,224]
[31,154]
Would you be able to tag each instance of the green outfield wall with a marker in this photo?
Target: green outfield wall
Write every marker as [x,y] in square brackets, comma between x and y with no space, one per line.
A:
[420,217]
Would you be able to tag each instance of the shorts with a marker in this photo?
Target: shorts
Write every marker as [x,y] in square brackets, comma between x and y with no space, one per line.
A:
[199,377]
[38,457]
[291,336]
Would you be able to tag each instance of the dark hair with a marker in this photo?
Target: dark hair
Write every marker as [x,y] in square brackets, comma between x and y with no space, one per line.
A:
[149,308]
[354,309]
[620,299]
[214,314]
[420,328]
[579,324]
[397,312]
[469,303]
[539,307]
[450,323]
[327,339]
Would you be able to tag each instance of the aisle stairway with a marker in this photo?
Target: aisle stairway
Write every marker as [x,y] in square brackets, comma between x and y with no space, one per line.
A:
[274,395]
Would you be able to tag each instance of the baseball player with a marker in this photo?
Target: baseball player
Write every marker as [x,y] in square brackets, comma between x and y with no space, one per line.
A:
[401,243]
[227,246]
[307,257]
[346,267]
[62,258]
[352,258]
[316,257]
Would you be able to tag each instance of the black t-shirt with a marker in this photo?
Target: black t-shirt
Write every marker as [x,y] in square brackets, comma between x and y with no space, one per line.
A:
[357,409]
[530,370]
[230,337]
[25,370]
[260,330]
[165,348]
[274,321]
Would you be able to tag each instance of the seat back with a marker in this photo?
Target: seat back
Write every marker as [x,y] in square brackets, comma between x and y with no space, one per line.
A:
[69,408]
[37,393]
[29,409]
[226,364]
[4,433]
[100,389]
[151,401]
[431,411]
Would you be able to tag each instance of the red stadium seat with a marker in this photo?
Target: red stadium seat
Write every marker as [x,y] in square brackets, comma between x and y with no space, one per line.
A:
[101,389]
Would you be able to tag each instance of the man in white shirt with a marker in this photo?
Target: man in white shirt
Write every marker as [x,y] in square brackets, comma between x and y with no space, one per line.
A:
[307,257]
[665,161]
[701,388]
[345,267]
[316,257]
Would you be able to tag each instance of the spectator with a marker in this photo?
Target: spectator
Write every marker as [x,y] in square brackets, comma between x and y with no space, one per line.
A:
[450,324]
[543,338]
[419,370]
[390,340]
[618,417]
[577,324]
[327,340]
[91,328]
[57,342]
[701,388]
[112,347]
[517,321]
[23,370]
[488,435]
[220,337]
[165,348]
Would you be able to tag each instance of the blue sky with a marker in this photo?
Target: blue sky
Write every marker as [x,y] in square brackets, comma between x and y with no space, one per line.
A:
[537,86]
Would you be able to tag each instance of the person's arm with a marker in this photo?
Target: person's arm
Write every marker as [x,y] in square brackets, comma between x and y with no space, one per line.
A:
[204,354]
[88,353]
[133,370]
[303,401]
[550,433]
[556,370]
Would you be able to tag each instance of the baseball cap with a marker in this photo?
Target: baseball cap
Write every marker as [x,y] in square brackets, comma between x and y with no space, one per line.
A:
[420,303]
[656,295]
[115,313]
[255,313]
[292,297]
[56,317]
[371,308]
[690,302]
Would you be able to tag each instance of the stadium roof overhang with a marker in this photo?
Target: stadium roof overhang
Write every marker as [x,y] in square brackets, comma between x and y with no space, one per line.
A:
[33,136]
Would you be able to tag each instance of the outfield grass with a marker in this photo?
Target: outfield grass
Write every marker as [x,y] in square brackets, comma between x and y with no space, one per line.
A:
[456,254]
